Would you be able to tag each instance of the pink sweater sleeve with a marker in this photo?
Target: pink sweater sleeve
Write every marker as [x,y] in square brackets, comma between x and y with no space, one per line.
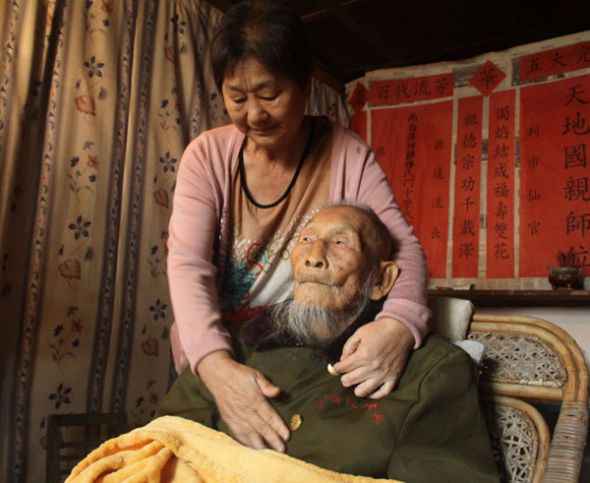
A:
[358,176]
[192,243]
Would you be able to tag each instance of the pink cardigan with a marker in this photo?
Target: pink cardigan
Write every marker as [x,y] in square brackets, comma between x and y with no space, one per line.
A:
[198,238]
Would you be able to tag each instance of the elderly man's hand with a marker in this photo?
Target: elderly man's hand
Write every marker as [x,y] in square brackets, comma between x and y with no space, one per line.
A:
[240,393]
[374,357]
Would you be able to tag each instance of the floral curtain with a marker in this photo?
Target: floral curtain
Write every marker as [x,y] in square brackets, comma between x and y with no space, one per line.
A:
[97,101]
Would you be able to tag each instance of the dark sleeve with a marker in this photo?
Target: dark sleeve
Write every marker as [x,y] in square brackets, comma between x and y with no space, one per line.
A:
[444,437]
[189,398]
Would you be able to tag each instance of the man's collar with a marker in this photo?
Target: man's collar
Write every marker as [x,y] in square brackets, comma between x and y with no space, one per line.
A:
[332,352]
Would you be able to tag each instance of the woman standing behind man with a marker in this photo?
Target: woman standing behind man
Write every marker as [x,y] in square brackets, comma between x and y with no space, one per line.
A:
[243,191]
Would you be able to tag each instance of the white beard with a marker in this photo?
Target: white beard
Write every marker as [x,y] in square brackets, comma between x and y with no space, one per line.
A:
[312,326]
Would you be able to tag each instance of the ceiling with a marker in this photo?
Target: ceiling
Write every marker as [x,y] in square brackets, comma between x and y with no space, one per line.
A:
[352,37]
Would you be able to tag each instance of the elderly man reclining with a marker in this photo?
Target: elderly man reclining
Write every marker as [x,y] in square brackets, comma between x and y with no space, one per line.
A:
[429,429]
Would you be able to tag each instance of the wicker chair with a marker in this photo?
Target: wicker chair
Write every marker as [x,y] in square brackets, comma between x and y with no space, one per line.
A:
[531,360]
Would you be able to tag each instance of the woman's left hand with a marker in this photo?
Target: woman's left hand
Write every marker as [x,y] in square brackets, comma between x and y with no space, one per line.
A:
[374,357]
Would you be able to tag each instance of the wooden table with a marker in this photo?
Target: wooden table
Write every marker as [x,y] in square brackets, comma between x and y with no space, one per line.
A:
[519,298]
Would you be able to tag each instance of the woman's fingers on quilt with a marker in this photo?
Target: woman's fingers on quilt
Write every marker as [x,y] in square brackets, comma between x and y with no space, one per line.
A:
[241,395]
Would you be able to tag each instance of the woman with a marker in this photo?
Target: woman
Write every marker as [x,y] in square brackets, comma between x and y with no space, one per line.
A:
[242,193]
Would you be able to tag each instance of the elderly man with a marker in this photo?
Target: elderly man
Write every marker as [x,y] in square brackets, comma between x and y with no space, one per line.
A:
[429,429]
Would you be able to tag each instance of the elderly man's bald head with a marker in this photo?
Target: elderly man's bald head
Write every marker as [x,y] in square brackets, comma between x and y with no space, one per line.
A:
[340,248]
[376,236]
[341,261]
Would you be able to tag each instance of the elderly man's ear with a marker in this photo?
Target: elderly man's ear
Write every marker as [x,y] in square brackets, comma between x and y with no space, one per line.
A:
[383,280]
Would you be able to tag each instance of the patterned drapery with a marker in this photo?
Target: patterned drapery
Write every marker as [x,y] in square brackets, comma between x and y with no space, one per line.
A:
[97,101]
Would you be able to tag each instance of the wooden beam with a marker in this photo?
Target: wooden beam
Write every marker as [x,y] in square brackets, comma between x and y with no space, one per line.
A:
[325,12]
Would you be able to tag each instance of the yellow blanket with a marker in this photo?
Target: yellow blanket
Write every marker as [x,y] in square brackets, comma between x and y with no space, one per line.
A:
[175,449]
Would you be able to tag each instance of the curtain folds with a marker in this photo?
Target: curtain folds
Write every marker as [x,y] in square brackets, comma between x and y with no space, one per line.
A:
[97,101]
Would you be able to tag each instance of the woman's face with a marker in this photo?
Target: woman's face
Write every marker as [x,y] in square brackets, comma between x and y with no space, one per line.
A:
[267,108]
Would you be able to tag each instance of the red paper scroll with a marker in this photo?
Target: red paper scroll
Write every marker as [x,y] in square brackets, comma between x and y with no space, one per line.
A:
[467,188]
[405,91]
[556,61]
[413,144]
[554,173]
[359,97]
[500,187]
[358,124]
[487,78]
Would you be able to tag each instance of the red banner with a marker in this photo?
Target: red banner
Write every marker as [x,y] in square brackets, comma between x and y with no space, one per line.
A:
[555,61]
[500,187]
[487,78]
[467,188]
[413,144]
[358,124]
[406,91]
[359,97]
[554,174]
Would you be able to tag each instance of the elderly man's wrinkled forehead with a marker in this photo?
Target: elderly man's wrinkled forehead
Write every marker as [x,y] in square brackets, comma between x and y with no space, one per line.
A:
[373,235]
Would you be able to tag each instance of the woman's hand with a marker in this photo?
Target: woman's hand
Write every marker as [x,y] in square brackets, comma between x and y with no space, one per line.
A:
[240,393]
[374,357]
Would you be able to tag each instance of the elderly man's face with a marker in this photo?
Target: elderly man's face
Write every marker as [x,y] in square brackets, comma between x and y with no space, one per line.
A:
[329,262]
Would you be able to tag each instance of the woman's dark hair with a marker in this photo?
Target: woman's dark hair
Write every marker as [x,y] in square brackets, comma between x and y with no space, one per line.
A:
[270,32]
